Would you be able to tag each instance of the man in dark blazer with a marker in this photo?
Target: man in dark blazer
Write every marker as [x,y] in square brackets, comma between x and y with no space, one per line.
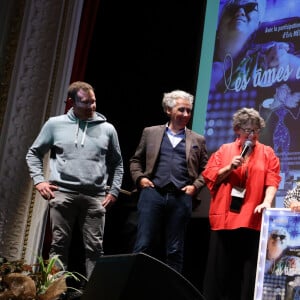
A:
[166,169]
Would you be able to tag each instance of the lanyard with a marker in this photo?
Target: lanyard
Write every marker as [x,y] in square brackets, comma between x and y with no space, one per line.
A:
[244,172]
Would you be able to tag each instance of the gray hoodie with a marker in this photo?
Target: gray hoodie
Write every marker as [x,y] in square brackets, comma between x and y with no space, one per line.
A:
[85,155]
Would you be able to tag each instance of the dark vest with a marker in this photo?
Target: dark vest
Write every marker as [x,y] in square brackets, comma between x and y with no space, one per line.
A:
[171,165]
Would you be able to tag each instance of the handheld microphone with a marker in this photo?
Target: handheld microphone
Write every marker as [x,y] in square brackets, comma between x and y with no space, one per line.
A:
[247,146]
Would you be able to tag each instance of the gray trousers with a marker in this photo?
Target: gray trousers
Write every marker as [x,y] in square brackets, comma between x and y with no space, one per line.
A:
[65,210]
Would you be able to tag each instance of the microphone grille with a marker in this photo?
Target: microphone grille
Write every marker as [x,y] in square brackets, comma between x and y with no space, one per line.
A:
[248,143]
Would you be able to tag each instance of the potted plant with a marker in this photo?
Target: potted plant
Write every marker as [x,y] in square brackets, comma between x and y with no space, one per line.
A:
[45,280]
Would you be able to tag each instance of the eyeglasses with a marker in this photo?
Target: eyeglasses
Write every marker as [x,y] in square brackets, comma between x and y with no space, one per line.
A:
[248,8]
[250,130]
[274,236]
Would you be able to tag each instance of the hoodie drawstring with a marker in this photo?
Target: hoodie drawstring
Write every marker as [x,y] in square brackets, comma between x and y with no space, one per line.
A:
[84,134]
[77,133]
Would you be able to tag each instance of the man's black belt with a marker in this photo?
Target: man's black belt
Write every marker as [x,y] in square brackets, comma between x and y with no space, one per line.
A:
[169,188]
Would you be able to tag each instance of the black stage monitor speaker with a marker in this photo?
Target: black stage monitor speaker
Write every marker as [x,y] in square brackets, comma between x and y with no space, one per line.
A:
[137,277]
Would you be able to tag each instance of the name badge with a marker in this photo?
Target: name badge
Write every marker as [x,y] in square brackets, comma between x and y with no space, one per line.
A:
[238,192]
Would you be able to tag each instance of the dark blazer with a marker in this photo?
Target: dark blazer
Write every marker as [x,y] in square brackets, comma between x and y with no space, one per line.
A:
[142,163]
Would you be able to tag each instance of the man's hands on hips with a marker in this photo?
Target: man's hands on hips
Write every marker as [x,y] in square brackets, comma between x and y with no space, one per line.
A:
[46,189]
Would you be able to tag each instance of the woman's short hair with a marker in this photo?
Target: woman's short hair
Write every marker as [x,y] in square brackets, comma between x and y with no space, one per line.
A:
[244,115]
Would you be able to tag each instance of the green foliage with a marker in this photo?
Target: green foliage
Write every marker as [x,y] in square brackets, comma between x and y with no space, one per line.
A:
[46,274]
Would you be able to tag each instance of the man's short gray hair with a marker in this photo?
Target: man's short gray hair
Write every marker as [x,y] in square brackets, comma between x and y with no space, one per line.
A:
[169,99]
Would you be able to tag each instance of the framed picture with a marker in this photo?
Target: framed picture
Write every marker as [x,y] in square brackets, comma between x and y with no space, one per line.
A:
[278,266]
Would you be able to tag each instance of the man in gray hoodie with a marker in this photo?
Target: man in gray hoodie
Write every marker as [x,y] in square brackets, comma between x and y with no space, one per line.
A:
[86,171]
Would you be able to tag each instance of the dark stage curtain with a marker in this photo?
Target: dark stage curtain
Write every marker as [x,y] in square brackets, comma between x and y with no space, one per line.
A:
[85,35]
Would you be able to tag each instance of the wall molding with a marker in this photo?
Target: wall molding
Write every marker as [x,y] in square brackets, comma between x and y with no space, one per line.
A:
[40,74]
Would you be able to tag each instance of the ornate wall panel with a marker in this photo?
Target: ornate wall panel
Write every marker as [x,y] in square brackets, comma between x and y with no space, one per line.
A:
[36,89]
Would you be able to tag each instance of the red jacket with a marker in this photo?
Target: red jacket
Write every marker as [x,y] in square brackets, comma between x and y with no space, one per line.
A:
[259,171]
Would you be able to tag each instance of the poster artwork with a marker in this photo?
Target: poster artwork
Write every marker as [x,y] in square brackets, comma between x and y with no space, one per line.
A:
[278,270]
[257,64]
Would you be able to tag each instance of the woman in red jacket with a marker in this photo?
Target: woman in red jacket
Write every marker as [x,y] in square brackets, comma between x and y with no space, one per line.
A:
[242,177]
